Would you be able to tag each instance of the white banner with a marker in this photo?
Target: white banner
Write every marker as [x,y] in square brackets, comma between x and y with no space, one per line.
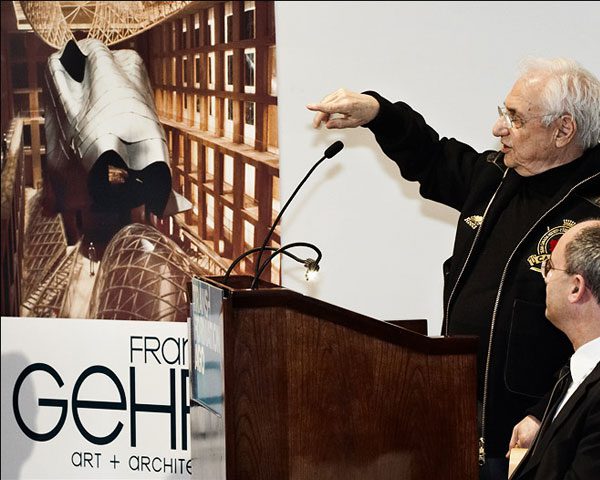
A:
[95,399]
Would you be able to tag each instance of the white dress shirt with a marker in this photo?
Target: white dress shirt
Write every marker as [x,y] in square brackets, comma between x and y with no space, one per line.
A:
[583,361]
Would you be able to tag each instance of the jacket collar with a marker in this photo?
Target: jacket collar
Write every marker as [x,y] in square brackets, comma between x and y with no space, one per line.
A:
[589,167]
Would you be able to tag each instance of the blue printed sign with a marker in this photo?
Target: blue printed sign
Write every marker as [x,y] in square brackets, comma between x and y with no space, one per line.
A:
[207,345]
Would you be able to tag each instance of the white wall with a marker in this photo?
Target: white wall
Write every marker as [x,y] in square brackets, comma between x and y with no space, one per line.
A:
[382,244]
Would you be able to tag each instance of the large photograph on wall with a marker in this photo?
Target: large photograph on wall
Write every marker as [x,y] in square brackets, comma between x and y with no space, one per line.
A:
[140,150]
[165,138]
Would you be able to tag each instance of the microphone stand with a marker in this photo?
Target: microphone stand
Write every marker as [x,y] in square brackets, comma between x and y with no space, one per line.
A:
[332,150]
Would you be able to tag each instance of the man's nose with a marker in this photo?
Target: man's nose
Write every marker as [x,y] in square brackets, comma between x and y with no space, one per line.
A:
[500,129]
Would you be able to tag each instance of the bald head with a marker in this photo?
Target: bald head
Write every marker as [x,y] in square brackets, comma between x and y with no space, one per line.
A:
[573,283]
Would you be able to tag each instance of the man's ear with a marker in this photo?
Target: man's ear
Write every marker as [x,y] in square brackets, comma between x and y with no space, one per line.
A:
[566,130]
[578,289]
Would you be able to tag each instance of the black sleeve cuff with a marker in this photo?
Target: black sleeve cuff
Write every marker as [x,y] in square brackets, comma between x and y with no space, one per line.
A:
[384,111]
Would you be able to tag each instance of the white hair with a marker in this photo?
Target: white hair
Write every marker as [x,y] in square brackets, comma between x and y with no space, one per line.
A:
[569,89]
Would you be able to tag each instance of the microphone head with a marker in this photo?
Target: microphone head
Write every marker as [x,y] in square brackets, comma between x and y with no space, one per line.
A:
[333,149]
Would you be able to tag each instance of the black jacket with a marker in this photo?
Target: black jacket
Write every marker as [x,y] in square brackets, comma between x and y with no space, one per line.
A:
[570,447]
[524,349]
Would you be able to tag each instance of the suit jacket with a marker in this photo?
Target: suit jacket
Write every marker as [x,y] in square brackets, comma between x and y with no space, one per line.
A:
[569,449]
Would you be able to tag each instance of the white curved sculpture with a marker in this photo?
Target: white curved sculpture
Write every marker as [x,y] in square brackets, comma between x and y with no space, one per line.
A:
[106,148]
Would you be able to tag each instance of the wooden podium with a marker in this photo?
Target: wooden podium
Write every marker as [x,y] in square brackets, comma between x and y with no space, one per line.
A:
[313,391]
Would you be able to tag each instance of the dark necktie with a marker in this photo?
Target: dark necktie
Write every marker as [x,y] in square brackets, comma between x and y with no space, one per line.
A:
[558,393]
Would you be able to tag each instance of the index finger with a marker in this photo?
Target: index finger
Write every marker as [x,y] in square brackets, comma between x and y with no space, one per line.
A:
[326,107]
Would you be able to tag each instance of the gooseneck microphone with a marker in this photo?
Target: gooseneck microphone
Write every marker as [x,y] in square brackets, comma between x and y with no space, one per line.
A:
[332,150]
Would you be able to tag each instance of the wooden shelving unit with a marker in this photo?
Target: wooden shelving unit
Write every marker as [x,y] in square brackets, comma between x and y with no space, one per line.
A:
[213,72]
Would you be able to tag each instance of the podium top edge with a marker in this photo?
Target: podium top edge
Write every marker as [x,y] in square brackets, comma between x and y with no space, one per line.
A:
[269,295]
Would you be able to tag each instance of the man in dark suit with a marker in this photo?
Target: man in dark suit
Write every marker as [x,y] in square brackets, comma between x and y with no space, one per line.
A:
[567,443]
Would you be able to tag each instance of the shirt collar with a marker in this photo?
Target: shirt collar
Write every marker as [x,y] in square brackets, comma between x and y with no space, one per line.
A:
[585,359]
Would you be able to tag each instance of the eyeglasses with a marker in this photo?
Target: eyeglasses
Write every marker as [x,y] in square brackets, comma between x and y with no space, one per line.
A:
[515,122]
[547,266]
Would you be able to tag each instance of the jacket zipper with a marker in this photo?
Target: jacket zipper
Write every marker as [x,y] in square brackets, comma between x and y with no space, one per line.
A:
[481,439]
[481,449]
